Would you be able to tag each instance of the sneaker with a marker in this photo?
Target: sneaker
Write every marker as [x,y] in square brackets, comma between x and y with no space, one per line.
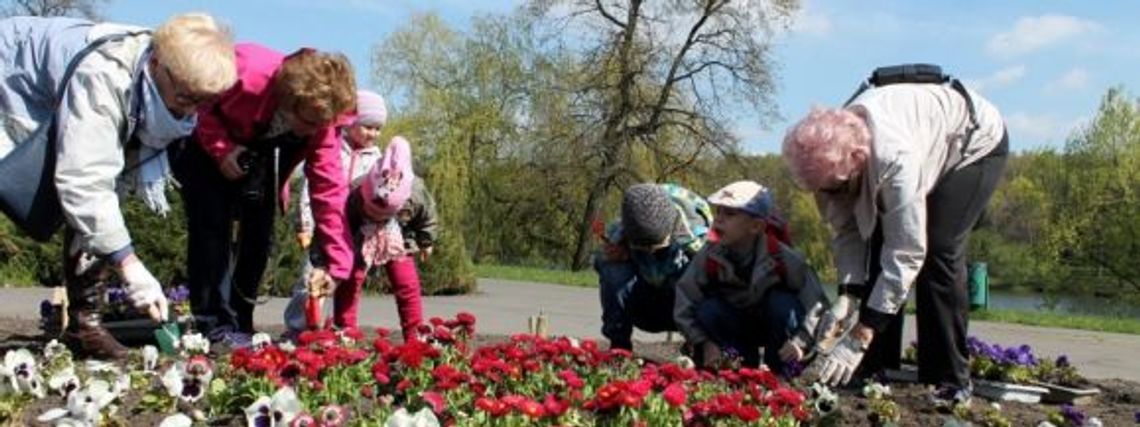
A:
[230,338]
[947,397]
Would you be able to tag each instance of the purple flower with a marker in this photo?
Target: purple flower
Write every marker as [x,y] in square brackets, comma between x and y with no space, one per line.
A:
[1063,362]
[1073,415]
[793,369]
[1137,417]
[116,295]
[178,294]
[46,309]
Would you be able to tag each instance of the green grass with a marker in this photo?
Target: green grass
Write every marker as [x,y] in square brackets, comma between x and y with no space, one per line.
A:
[585,278]
[1061,320]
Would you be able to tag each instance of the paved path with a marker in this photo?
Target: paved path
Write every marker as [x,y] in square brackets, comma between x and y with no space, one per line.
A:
[502,307]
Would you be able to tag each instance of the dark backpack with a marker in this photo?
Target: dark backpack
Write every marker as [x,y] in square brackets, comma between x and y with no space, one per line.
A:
[920,73]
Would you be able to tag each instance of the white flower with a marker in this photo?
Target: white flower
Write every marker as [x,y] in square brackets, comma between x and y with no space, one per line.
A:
[64,382]
[280,409]
[825,400]
[1045,424]
[18,374]
[260,340]
[874,390]
[995,405]
[574,342]
[1093,422]
[195,344]
[150,358]
[685,362]
[84,407]
[287,346]
[401,418]
[53,349]
[121,385]
[189,380]
[176,420]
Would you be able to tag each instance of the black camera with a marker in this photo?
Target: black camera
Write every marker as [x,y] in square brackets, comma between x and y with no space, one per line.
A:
[254,185]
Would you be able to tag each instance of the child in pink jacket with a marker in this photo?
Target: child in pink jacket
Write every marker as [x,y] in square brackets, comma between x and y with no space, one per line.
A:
[393,218]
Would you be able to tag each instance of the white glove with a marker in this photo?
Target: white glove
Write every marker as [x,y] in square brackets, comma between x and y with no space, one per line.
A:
[143,290]
[837,321]
[839,364]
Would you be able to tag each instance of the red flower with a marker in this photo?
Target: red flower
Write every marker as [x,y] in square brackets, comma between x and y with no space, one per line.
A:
[491,406]
[533,409]
[404,384]
[465,319]
[571,379]
[674,394]
[380,372]
[554,406]
[747,413]
[436,401]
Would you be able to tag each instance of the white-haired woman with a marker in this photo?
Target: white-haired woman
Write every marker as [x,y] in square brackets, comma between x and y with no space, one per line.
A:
[902,176]
[130,92]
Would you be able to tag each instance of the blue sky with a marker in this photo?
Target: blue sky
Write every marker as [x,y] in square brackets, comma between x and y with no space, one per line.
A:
[1044,63]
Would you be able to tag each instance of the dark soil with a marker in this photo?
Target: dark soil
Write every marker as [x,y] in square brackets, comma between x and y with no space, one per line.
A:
[1115,406]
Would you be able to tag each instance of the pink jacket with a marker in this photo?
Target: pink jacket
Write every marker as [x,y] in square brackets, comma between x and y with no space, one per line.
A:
[244,112]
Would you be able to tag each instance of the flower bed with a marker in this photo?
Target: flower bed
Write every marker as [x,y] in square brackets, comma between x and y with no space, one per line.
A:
[339,378]
[347,378]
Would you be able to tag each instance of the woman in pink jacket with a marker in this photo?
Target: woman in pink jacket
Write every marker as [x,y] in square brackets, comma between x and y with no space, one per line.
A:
[283,110]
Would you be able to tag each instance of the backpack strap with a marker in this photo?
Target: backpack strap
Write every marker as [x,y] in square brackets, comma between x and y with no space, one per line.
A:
[773,243]
[921,73]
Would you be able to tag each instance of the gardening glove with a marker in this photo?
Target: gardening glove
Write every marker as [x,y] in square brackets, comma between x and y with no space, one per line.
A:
[143,290]
[790,352]
[838,365]
[836,321]
[320,286]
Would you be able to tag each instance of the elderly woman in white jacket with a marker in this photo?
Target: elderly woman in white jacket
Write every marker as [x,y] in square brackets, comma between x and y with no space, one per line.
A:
[902,174]
[128,98]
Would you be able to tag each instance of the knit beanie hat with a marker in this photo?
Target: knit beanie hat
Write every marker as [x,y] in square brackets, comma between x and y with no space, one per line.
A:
[647,214]
[370,108]
[389,182]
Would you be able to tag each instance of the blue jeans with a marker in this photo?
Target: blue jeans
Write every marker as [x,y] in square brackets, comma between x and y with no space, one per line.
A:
[769,325]
[628,301]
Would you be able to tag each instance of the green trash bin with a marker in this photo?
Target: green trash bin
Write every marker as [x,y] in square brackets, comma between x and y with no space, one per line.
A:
[979,281]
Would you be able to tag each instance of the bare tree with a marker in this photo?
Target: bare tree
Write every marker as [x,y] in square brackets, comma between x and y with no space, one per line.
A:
[88,9]
[685,69]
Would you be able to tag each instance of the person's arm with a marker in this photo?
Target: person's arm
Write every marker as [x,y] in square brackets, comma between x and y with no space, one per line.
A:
[90,157]
[328,194]
[848,247]
[810,294]
[903,221]
[211,132]
[425,220]
[688,291]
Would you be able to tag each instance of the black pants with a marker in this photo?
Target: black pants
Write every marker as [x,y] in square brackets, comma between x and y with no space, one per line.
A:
[214,205]
[942,297]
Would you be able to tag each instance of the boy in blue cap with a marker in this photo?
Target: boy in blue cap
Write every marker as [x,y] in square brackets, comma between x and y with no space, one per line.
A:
[750,288]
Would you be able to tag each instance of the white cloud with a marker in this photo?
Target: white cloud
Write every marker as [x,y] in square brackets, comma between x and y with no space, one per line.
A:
[1040,129]
[999,79]
[811,21]
[1028,126]
[1073,80]
[1035,32]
